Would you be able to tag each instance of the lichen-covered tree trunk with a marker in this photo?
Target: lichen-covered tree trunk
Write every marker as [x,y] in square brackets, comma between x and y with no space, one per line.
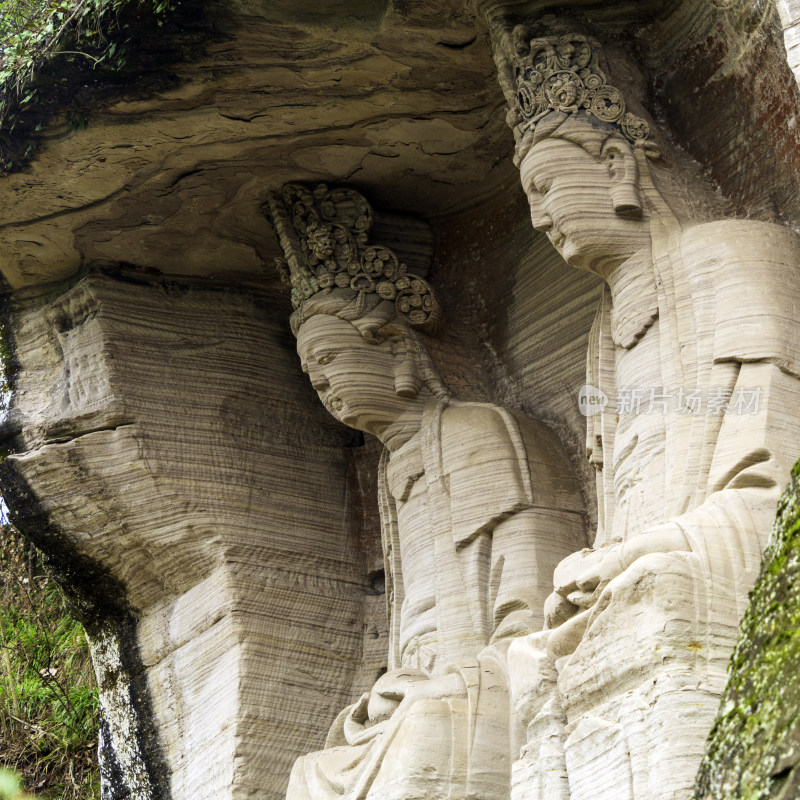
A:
[754,746]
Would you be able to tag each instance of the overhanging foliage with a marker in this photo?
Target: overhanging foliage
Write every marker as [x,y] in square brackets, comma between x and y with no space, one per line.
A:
[35,33]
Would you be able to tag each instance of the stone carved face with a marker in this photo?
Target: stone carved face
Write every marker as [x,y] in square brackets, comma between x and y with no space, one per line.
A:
[354,377]
[573,197]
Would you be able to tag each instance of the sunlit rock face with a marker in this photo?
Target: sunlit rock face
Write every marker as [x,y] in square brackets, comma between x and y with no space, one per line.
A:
[220,531]
[223,523]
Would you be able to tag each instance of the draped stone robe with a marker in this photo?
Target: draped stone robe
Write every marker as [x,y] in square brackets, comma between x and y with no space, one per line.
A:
[619,707]
[476,510]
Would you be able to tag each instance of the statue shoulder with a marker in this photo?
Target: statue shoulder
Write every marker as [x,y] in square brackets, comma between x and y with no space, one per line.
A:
[736,238]
[496,432]
[467,425]
[754,268]
[499,462]
[460,419]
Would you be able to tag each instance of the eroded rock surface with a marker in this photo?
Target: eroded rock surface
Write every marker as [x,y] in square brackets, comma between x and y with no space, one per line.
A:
[381,95]
[224,522]
[220,531]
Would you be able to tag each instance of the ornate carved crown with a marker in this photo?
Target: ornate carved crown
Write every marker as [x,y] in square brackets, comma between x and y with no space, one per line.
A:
[324,234]
[561,73]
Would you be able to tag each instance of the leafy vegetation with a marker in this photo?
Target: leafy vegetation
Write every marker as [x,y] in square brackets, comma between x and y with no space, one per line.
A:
[11,786]
[36,33]
[48,697]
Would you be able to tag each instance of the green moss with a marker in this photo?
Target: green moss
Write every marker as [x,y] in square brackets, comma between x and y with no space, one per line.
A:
[755,742]
[80,35]
[8,366]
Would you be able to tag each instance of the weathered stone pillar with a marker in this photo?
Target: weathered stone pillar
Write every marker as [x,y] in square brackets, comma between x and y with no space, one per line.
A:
[169,459]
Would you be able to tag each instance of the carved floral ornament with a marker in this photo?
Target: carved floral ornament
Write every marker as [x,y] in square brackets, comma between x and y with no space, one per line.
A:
[324,234]
[561,73]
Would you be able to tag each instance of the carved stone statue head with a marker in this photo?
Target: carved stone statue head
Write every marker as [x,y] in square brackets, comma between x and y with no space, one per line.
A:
[356,311]
[581,177]
[365,362]
[595,178]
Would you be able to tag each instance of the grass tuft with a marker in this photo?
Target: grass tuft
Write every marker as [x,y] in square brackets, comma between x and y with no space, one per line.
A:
[48,697]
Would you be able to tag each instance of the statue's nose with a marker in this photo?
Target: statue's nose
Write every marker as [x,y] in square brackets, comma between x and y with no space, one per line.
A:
[541,221]
[318,379]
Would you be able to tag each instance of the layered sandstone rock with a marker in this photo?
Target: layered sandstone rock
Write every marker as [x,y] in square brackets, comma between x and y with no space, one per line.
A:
[220,531]
[197,515]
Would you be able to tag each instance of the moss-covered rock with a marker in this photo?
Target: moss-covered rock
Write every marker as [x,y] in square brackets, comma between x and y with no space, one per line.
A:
[754,746]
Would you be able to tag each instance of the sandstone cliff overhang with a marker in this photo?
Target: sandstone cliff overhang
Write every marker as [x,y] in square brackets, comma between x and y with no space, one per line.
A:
[166,164]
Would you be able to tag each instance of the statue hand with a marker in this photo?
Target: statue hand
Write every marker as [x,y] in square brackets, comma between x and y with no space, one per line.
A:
[664,538]
[568,569]
[438,688]
[557,610]
[561,605]
[591,582]
[389,690]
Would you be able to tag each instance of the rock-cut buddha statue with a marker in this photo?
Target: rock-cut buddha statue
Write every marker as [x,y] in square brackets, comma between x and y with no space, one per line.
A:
[695,342]
[477,506]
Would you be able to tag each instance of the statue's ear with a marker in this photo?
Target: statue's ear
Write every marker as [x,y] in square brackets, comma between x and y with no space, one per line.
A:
[407,380]
[623,170]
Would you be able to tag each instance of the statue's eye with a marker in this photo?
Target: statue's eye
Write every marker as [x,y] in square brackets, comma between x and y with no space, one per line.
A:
[543,188]
[326,358]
